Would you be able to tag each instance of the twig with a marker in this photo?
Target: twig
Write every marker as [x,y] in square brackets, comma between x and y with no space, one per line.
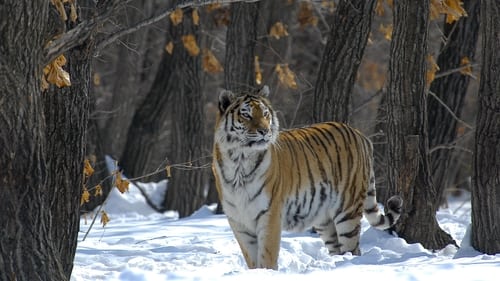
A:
[84,30]
[125,31]
[458,69]
[78,35]
[437,147]
[449,110]
[95,217]
[148,199]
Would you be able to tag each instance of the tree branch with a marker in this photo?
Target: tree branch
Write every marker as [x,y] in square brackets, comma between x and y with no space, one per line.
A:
[450,111]
[128,30]
[458,69]
[82,32]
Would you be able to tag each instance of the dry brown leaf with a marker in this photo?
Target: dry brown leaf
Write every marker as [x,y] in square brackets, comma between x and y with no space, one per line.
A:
[98,190]
[432,68]
[435,9]
[59,4]
[328,5]
[386,30]
[96,79]
[213,7]
[45,85]
[72,14]
[87,168]
[454,10]
[379,8]
[305,15]
[55,74]
[286,76]
[189,42]
[222,16]
[169,47]
[467,70]
[121,184]
[85,196]
[196,17]
[258,71]
[176,16]
[278,30]
[210,63]
[168,171]
[104,218]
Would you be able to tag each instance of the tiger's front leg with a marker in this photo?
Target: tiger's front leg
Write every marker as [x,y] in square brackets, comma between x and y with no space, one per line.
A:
[247,240]
[269,238]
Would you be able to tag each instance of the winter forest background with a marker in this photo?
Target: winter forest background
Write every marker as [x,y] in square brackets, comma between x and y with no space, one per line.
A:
[138,81]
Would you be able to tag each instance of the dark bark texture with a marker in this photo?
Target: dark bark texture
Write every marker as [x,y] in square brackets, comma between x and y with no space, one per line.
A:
[241,40]
[461,38]
[486,177]
[187,185]
[149,119]
[408,164]
[42,139]
[342,56]
[132,61]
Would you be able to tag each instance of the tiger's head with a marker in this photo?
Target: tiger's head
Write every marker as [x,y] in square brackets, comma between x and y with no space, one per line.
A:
[246,120]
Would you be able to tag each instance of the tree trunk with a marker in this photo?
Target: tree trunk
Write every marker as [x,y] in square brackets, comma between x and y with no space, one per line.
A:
[149,119]
[486,178]
[66,116]
[380,149]
[42,140]
[341,58]
[128,61]
[408,164]
[241,38]
[451,89]
[186,187]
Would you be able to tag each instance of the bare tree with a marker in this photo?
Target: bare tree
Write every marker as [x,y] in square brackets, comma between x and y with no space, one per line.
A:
[408,162]
[460,42]
[341,58]
[241,39]
[486,178]
[43,143]
[186,187]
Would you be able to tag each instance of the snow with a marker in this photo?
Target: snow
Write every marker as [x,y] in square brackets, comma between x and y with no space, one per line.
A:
[139,244]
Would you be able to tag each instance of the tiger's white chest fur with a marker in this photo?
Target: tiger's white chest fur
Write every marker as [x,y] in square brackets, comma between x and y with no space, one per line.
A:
[242,181]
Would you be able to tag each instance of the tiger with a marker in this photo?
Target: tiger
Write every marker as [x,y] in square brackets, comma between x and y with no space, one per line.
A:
[317,177]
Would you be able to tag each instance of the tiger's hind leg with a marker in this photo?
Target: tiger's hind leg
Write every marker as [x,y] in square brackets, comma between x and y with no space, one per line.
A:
[348,225]
[328,234]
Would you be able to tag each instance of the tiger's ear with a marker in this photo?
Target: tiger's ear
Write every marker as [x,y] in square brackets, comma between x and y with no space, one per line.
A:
[264,91]
[226,98]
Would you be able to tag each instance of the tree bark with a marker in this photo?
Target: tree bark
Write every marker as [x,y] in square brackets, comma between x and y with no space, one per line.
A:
[341,59]
[186,187]
[461,38]
[149,118]
[241,38]
[486,177]
[42,138]
[408,163]
[130,82]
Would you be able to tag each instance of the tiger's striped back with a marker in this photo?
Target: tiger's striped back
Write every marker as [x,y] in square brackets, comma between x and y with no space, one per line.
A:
[319,176]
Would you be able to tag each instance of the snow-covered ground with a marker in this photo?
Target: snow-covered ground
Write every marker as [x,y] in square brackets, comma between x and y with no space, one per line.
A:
[139,244]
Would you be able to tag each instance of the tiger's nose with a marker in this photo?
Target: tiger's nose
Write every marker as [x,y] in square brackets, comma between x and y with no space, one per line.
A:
[263,131]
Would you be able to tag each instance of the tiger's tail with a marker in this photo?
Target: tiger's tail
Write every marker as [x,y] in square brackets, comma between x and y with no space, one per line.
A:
[372,212]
